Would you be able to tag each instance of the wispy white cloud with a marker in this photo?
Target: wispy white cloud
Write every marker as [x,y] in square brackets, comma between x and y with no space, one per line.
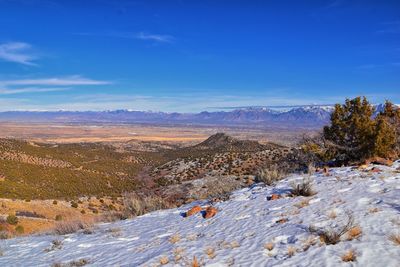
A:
[5,91]
[17,52]
[159,38]
[155,37]
[56,81]
[43,85]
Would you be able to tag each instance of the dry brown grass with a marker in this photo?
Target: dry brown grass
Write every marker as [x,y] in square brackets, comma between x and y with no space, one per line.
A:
[235,244]
[164,260]
[332,236]
[195,262]
[269,246]
[175,238]
[178,254]
[69,227]
[44,208]
[395,238]
[309,242]
[75,263]
[350,255]
[354,232]
[136,205]
[304,188]
[210,252]
[291,251]
[269,175]
[217,187]
[303,203]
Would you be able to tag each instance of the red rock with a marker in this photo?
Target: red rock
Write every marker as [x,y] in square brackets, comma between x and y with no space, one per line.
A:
[375,169]
[283,220]
[192,211]
[210,212]
[275,197]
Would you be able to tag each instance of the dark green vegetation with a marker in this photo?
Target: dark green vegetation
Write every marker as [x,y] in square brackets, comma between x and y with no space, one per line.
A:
[68,171]
[357,132]
[43,171]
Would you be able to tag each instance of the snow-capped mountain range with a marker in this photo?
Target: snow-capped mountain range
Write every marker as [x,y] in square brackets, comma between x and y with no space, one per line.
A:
[304,116]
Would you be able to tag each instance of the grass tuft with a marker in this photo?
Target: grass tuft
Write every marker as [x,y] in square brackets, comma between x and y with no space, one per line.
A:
[305,188]
[350,255]
[395,238]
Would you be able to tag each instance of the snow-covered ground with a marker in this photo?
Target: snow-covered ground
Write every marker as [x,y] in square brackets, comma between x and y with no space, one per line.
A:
[237,235]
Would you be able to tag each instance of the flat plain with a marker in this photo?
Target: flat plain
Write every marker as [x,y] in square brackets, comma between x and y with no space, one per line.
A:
[178,135]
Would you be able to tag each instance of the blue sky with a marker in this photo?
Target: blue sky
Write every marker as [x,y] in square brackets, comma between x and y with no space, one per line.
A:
[189,56]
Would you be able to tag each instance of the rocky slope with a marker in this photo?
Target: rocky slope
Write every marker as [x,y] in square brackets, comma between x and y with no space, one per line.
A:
[248,230]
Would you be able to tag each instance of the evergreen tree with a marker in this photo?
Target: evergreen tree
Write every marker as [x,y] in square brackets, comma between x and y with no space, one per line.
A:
[352,129]
[384,138]
[391,114]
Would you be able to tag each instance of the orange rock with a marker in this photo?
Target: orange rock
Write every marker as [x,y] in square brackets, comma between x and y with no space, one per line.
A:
[192,211]
[275,197]
[210,212]
[380,161]
[283,220]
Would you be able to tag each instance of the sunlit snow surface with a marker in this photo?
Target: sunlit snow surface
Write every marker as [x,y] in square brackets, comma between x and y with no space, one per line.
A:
[243,225]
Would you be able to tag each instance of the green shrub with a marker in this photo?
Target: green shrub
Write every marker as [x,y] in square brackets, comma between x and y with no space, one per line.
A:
[4,235]
[58,217]
[12,219]
[19,229]
[385,138]
[74,204]
[55,202]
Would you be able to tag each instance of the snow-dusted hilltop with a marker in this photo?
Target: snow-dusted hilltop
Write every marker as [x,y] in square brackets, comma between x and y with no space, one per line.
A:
[361,205]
